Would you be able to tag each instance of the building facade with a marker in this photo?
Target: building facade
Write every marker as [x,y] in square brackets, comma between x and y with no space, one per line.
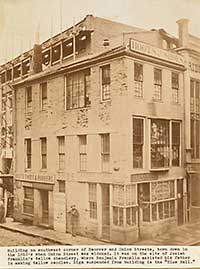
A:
[101,121]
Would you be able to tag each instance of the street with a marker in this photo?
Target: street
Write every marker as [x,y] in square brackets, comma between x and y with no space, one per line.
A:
[9,238]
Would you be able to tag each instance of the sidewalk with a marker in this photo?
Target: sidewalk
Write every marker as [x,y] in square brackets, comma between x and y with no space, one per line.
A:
[188,235]
[48,234]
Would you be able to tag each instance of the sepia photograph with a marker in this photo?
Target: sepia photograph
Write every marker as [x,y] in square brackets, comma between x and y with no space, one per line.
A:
[100,125]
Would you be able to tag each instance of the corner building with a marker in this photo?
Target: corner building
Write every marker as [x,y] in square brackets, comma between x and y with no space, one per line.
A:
[101,124]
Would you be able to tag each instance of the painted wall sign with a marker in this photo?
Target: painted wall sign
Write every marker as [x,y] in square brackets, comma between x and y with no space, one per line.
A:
[156,52]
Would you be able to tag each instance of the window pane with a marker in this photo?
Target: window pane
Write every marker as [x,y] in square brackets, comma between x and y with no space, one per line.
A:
[154,212]
[137,143]
[160,210]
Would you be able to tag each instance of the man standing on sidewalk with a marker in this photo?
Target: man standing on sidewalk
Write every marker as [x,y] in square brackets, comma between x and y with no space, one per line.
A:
[74,219]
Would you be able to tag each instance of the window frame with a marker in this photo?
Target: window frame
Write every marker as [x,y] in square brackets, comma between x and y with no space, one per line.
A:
[43,153]
[105,83]
[44,97]
[28,150]
[105,155]
[175,88]
[61,153]
[138,80]
[140,144]
[92,200]
[83,139]
[157,85]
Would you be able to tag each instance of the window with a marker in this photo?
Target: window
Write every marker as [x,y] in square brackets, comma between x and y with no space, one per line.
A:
[9,75]
[43,142]
[17,71]
[78,89]
[28,153]
[3,77]
[67,48]
[105,152]
[124,202]
[29,99]
[138,77]
[138,138]
[175,87]
[61,152]
[46,57]
[157,84]
[105,82]
[25,67]
[93,200]
[56,50]
[158,204]
[175,143]
[28,203]
[195,118]
[61,186]
[159,143]
[43,87]
[83,152]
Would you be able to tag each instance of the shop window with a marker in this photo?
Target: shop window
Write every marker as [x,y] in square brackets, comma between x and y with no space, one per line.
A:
[29,99]
[93,200]
[43,91]
[105,152]
[138,77]
[28,202]
[17,71]
[56,53]
[175,143]
[25,67]
[67,48]
[175,88]
[138,141]
[78,90]
[61,186]
[105,82]
[83,152]
[61,152]
[157,84]
[28,153]
[159,143]
[46,57]
[43,142]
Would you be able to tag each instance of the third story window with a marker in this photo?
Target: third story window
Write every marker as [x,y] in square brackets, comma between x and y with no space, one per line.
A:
[43,88]
[61,152]
[78,89]
[157,84]
[105,82]
[28,98]
[175,87]
[138,77]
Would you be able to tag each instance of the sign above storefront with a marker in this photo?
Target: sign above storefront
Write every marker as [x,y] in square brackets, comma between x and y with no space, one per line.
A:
[156,52]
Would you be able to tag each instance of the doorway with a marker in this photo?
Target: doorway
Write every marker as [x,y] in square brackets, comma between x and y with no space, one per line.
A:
[45,207]
[180,207]
[105,211]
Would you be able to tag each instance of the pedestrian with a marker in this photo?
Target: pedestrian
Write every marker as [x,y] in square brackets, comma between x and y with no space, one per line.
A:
[2,212]
[74,219]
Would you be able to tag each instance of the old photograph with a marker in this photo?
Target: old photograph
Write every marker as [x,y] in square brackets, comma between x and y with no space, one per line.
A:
[99,122]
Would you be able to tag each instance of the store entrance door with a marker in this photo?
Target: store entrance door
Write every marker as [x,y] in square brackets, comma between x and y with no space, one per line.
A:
[105,211]
[180,207]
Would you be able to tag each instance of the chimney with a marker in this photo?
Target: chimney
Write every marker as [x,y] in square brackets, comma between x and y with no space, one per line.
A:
[183,32]
[37,54]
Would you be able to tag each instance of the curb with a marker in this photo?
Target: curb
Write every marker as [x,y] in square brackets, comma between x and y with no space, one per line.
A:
[33,234]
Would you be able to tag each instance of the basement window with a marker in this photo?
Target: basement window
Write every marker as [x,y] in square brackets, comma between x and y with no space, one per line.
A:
[25,67]
[46,57]
[17,71]
[56,53]
[67,48]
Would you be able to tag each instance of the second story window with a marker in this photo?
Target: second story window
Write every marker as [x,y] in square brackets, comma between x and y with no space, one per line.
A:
[138,138]
[83,152]
[105,152]
[157,84]
[43,143]
[176,143]
[175,88]
[43,92]
[78,89]
[61,152]
[159,143]
[29,99]
[138,77]
[28,153]
[105,82]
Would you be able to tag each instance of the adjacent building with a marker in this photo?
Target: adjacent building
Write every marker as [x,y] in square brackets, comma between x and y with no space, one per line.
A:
[101,118]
